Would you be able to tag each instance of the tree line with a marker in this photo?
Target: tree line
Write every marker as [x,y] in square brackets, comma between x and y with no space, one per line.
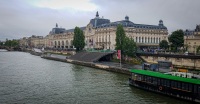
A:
[128,46]
[10,43]
[176,42]
[123,43]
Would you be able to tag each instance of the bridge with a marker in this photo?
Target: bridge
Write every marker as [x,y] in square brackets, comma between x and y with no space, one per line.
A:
[92,56]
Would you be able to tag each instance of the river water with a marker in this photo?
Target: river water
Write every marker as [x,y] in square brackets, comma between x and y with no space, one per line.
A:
[28,79]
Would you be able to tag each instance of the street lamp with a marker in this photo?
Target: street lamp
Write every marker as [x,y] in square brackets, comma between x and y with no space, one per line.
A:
[120,52]
[170,43]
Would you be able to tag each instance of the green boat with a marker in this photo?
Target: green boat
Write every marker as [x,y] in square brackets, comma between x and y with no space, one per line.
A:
[184,88]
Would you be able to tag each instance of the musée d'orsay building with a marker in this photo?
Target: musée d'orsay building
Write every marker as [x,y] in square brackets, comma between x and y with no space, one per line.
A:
[101,33]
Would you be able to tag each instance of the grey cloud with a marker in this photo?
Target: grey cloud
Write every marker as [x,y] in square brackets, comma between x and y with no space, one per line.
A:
[18,18]
[177,14]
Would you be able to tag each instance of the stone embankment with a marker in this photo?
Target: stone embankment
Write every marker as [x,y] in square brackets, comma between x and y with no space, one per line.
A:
[88,64]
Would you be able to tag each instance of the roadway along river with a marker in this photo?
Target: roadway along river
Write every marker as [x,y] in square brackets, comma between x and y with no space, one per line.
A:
[28,79]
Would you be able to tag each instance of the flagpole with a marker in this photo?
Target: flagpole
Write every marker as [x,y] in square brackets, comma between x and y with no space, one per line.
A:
[120,60]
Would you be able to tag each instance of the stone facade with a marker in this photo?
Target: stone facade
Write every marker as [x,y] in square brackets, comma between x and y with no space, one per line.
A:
[192,39]
[32,42]
[101,33]
[23,42]
[37,41]
[184,62]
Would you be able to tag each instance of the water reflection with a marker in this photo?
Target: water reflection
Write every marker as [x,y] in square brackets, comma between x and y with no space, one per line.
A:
[29,79]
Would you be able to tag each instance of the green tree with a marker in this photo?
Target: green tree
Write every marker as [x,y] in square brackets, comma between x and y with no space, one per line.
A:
[130,47]
[120,38]
[125,44]
[11,43]
[177,39]
[79,39]
[163,44]
[1,43]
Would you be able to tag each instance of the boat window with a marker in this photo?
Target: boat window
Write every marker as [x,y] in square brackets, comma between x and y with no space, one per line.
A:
[139,77]
[149,79]
[184,86]
[195,89]
[154,81]
[158,81]
[161,82]
[167,83]
[187,86]
[179,85]
[172,83]
[190,87]
[199,89]
[143,78]
[164,82]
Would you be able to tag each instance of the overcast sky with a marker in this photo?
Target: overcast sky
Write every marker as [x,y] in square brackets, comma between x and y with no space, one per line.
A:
[23,18]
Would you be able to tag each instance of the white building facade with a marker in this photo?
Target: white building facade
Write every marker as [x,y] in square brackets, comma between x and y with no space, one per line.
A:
[100,33]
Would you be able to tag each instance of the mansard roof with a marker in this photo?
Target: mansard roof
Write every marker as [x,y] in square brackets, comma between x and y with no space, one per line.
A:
[99,21]
[188,32]
[72,30]
[128,23]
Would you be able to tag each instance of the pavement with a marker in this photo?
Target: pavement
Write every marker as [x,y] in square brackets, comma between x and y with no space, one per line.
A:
[131,66]
[58,56]
[114,64]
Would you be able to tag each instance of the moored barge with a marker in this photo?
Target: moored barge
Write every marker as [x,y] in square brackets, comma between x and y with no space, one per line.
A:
[184,88]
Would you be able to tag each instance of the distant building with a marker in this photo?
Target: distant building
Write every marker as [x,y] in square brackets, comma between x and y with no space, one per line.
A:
[192,39]
[36,41]
[23,42]
[57,30]
[101,33]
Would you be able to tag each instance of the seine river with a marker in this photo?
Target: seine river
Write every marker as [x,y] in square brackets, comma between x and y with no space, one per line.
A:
[28,79]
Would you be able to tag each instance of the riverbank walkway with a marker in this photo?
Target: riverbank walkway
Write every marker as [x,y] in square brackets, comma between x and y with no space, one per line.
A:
[90,59]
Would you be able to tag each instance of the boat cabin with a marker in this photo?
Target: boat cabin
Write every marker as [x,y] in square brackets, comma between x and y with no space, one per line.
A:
[182,87]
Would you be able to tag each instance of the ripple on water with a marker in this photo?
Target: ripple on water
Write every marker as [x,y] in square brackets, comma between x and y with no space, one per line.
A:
[29,79]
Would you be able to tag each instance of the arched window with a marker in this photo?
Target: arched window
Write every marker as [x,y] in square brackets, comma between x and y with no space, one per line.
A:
[67,43]
[71,42]
[62,43]
[142,40]
[109,38]
[58,43]
[136,39]
[97,39]
[55,43]
[159,40]
[156,40]
[139,40]
[51,44]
